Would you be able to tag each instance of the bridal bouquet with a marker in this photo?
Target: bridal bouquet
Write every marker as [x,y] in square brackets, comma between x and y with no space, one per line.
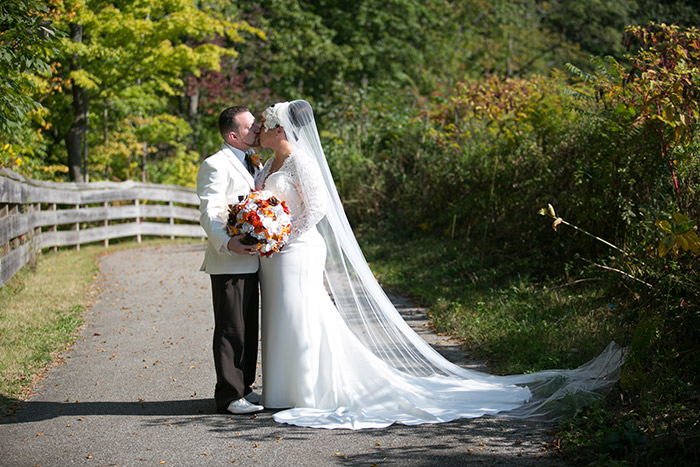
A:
[263,219]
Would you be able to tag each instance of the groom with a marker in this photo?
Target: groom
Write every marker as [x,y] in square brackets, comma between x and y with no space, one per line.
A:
[232,266]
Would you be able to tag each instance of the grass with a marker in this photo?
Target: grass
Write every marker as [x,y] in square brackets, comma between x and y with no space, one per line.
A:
[41,311]
[494,307]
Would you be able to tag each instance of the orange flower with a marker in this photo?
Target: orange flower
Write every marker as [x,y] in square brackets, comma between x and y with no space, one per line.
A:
[250,217]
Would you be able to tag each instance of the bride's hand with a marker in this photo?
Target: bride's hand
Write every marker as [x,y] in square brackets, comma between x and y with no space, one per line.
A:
[235,245]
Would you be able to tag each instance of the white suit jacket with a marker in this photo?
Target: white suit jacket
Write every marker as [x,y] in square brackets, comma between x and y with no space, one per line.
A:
[221,179]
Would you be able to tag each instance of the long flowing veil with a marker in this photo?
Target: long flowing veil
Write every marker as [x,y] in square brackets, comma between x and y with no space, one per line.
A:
[374,320]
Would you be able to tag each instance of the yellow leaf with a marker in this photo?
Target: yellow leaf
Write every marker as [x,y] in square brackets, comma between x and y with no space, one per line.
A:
[680,218]
[550,208]
[693,236]
[668,113]
[678,133]
[664,225]
[665,245]
[692,241]
[681,242]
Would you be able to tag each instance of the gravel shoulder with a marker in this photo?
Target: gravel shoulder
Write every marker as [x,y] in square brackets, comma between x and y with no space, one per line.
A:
[136,389]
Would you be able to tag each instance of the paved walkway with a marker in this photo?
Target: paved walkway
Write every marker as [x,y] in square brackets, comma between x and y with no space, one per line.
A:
[136,390]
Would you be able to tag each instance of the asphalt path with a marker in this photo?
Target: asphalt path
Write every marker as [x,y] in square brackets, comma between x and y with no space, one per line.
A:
[136,389]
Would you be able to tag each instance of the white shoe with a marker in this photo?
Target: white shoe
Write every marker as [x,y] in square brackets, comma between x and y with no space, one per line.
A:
[253,397]
[242,406]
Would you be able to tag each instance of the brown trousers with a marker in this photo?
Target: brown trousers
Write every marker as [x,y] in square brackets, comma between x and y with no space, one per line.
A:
[236,300]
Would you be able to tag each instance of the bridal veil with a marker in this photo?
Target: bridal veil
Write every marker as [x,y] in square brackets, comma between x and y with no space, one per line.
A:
[373,319]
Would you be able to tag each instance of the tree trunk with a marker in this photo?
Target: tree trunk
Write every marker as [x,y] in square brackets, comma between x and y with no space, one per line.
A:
[78,129]
[193,115]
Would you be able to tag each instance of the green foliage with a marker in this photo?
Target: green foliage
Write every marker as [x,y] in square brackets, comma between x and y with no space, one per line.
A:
[679,12]
[595,26]
[160,140]
[297,58]
[467,165]
[127,61]
[27,41]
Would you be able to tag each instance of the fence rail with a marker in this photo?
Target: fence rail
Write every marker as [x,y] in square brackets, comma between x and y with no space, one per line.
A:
[35,215]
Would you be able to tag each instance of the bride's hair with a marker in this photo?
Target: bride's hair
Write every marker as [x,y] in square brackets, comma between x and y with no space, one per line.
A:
[300,113]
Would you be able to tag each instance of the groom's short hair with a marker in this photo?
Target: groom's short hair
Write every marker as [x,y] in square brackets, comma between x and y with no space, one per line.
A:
[227,119]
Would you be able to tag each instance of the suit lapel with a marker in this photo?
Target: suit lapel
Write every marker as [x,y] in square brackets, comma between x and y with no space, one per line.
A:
[236,163]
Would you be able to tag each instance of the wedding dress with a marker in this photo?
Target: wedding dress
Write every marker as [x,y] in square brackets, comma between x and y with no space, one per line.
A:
[336,353]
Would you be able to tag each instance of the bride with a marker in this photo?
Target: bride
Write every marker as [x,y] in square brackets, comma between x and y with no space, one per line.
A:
[335,352]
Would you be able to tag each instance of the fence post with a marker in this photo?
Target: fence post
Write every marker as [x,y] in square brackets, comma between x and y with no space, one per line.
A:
[106,205]
[172,219]
[4,212]
[138,220]
[35,235]
[76,227]
[54,228]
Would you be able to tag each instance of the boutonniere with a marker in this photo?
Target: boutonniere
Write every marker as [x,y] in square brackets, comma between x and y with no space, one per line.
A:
[255,159]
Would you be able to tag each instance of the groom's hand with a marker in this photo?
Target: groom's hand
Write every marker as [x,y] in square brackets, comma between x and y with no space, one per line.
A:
[235,245]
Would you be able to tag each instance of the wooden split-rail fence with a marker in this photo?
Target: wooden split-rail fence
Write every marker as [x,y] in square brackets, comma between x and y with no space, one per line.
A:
[35,215]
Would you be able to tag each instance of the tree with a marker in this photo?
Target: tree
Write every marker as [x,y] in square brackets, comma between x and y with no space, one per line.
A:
[594,25]
[27,40]
[132,55]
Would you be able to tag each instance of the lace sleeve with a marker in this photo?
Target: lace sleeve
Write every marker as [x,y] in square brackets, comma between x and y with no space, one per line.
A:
[307,178]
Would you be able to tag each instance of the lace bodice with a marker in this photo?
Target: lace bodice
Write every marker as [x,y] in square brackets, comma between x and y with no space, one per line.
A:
[300,184]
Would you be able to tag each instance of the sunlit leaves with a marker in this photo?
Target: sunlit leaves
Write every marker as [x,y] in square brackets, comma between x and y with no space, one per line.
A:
[144,41]
[132,59]
[680,235]
[85,79]
[27,40]
[665,74]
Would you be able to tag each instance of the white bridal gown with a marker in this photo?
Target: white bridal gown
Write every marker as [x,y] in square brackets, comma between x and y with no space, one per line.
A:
[312,363]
